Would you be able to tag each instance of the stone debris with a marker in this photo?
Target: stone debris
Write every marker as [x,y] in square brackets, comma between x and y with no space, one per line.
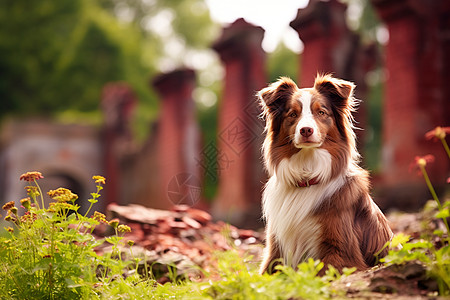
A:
[184,237]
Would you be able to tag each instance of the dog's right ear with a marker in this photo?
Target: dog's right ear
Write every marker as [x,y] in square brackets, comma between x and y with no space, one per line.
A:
[274,97]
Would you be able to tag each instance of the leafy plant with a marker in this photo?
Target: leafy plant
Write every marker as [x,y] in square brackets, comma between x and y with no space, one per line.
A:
[50,252]
[432,249]
[239,282]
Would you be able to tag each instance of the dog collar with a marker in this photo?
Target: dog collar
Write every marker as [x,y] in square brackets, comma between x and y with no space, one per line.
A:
[308,183]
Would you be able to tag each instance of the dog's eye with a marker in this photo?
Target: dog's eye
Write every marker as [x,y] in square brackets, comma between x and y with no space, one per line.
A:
[322,113]
[293,115]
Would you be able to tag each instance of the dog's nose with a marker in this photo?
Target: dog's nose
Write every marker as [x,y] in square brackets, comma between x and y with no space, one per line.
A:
[306,131]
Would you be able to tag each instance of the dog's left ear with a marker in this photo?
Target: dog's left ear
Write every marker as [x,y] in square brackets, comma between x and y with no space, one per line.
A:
[339,91]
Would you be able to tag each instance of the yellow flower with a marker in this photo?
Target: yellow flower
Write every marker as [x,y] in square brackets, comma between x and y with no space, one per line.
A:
[26,202]
[99,217]
[8,205]
[13,210]
[33,191]
[62,195]
[114,223]
[99,179]
[124,228]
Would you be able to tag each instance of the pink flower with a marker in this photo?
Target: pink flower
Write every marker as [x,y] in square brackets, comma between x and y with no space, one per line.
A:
[421,162]
[438,133]
[31,176]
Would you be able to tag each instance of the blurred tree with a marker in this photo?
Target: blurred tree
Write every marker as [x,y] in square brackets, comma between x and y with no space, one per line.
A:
[57,55]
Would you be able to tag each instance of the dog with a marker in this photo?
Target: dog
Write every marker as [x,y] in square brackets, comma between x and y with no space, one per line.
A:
[316,203]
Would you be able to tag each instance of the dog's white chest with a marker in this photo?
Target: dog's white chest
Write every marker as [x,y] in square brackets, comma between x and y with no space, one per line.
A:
[288,209]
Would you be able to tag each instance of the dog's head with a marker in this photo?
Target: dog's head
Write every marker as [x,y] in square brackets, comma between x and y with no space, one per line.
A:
[317,117]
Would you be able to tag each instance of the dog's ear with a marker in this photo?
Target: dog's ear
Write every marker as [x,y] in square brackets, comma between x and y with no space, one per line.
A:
[339,91]
[274,97]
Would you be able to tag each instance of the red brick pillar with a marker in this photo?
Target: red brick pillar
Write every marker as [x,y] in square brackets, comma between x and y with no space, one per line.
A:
[327,40]
[117,104]
[178,140]
[414,97]
[239,130]
[331,47]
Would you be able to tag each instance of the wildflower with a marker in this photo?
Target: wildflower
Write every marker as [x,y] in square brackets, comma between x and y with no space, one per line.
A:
[13,210]
[99,179]
[26,202]
[32,191]
[8,218]
[62,195]
[437,133]
[99,217]
[114,223]
[31,176]
[130,243]
[28,218]
[421,162]
[124,228]
[9,229]
[8,205]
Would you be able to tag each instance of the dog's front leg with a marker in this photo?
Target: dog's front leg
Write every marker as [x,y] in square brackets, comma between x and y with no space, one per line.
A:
[271,254]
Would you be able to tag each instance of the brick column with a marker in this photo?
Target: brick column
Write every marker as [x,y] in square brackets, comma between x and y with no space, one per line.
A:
[328,41]
[239,130]
[331,47]
[178,140]
[414,97]
[117,104]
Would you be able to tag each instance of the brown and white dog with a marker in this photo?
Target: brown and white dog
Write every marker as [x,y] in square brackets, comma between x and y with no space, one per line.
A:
[316,202]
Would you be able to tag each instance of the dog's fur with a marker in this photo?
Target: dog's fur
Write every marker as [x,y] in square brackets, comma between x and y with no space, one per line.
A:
[316,202]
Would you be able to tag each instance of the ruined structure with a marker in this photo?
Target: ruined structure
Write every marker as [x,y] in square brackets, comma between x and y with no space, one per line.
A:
[170,166]
[240,130]
[417,93]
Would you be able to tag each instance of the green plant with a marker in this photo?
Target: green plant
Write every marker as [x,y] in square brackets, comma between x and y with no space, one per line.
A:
[240,280]
[50,252]
[432,249]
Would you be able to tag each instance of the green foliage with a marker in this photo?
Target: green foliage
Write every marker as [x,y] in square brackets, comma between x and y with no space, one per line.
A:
[433,249]
[372,143]
[437,260]
[58,55]
[49,254]
[239,280]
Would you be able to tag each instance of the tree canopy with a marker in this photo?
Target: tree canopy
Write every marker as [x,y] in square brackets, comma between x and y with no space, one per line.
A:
[57,55]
